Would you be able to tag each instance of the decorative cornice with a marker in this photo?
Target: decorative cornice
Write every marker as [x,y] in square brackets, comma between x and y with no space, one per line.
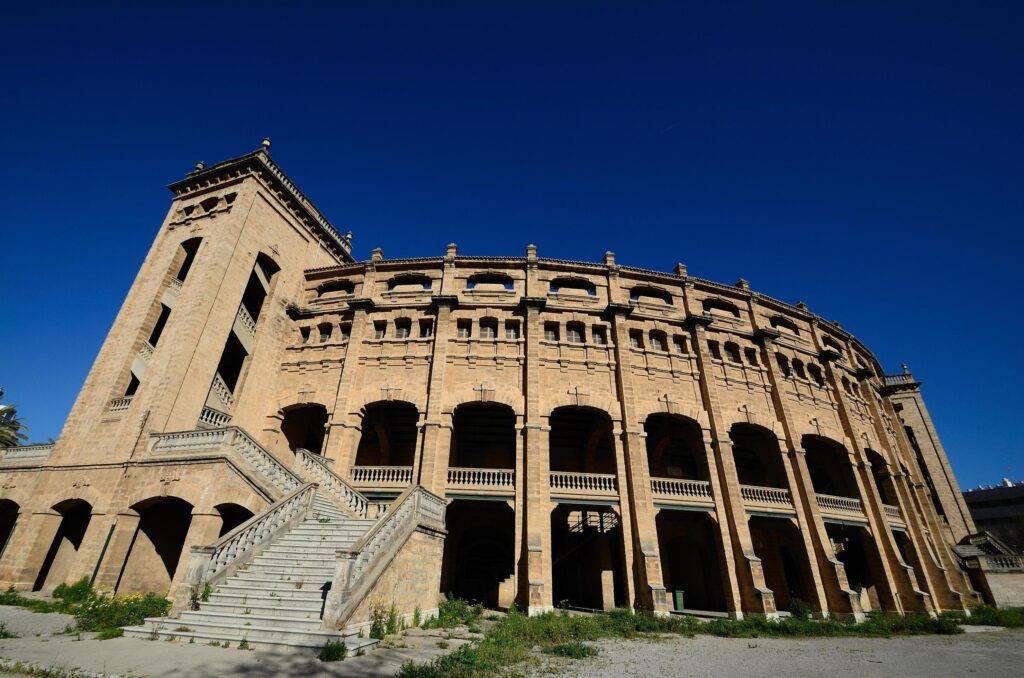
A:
[766,335]
[259,163]
[361,303]
[613,309]
[829,355]
[696,321]
[533,302]
[450,301]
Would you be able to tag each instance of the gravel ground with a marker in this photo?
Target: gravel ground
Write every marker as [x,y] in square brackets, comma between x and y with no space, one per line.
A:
[26,623]
[991,654]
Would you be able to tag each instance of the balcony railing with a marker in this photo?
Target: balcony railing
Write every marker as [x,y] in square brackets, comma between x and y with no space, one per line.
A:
[382,476]
[831,504]
[146,351]
[681,490]
[892,512]
[120,404]
[176,284]
[482,479]
[583,483]
[767,496]
[26,453]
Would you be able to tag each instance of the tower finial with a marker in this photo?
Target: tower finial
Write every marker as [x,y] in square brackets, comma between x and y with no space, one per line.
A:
[200,165]
[266,143]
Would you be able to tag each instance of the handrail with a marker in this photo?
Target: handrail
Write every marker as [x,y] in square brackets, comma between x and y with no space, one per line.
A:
[261,458]
[482,477]
[223,393]
[244,317]
[892,511]
[381,475]
[213,563]
[120,404]
[344,495]
[375,549]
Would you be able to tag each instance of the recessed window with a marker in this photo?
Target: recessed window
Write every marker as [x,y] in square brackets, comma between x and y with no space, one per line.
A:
[551,331]
[599,335]
[636,339]
[716,350]
[650,295]
[464,328]
[346,332]
[335,288]
[380,329]
[325,333]
[721,308]
[488,328]
[575,333]
[158,328]
[785,325]
[679,344]
[403,328]
[816,374]
[579,286]
[409,283]
[783,362]
[658,342]
[304,335]
[494,282]
[798,368]
[511,329]
[732,352]
[751,354]
[426,329]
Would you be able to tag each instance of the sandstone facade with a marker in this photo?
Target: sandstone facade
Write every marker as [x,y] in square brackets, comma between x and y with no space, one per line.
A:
[604,435]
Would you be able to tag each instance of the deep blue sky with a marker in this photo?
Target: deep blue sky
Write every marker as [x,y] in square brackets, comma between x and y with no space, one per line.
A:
[863,157]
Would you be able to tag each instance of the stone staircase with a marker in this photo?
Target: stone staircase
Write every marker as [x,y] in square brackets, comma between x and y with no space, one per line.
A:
[277,601]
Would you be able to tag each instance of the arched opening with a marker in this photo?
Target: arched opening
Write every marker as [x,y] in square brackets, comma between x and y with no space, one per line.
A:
[492,282]
[335,288]
[587,557]
[304,426]
[483,436]
[650,295]
[777,542]
[231,515]
[829,465]
[389,435]
[156,548]
[721,308]
[410,282]
[675,447]
[479,552]
[577,286]
[691,559]
[881,478]
[758,459]
[856,550]
[9,511]
[581,441]
[60,558]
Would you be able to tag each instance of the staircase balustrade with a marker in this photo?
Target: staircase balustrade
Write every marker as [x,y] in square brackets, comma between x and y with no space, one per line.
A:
[314,468]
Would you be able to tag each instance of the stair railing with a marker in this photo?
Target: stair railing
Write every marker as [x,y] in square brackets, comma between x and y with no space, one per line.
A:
[212,564]
[314,468]
[360,567]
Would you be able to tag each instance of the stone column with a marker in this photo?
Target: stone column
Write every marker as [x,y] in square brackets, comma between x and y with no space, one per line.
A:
[24,557]
[437,424]
[641,532]
[344,427]
[118,549]
[755,596]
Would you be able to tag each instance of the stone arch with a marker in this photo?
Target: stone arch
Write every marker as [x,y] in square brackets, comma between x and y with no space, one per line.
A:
[9,512]
[675,447]
[830,465]
[483,436]
[744,415]
[156,550]
[76,514]
[232,515]
[587,400]
[647,407]
[388,433]
[483,393]
[758,456]
[581,440]
[304,425]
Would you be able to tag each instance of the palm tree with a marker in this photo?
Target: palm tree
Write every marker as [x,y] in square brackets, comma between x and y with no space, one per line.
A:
[12,429]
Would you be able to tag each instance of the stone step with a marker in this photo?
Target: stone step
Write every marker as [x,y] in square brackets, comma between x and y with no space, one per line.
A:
[269,639]
[278,582]
[241,591]
[319,560]
[296,571]
[265,609]
[243,620]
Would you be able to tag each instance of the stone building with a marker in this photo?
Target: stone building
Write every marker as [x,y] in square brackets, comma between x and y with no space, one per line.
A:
[306,436]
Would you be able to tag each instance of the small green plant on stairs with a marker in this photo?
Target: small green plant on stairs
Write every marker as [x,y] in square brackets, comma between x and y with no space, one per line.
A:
[333,651]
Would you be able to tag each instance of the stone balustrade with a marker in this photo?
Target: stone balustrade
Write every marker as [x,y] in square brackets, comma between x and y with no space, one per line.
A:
[381,476]
[771,496]
[892,512]
[176,284]
[482,478]
[832,504]
[312,467]
[259,457]
[246,320]
[576,484]
[213,418]
[120,404]
[681,489]
[223,393]
[146,351]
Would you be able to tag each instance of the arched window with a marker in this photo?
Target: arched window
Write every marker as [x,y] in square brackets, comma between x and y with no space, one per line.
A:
[335,288]
[187,255]
[784,325]
[816,374]
[325,332]
[833,344]
[403,328]
[551,331]
[636,339]
[716,350]
[488,328]
[579,286]
[751,354]
[412,282]
[489,282]
[721,308]
[798,368]
[599,335]
[650,295]
[679,344]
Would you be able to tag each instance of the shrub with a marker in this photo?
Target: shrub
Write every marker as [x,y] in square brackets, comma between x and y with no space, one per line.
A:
[986,615]
[454,612]
[416,617]
[107,634]
[108,611]
[378,622]
[573,650]
[800,610]
[393,621]
[333,651]
[76,593]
